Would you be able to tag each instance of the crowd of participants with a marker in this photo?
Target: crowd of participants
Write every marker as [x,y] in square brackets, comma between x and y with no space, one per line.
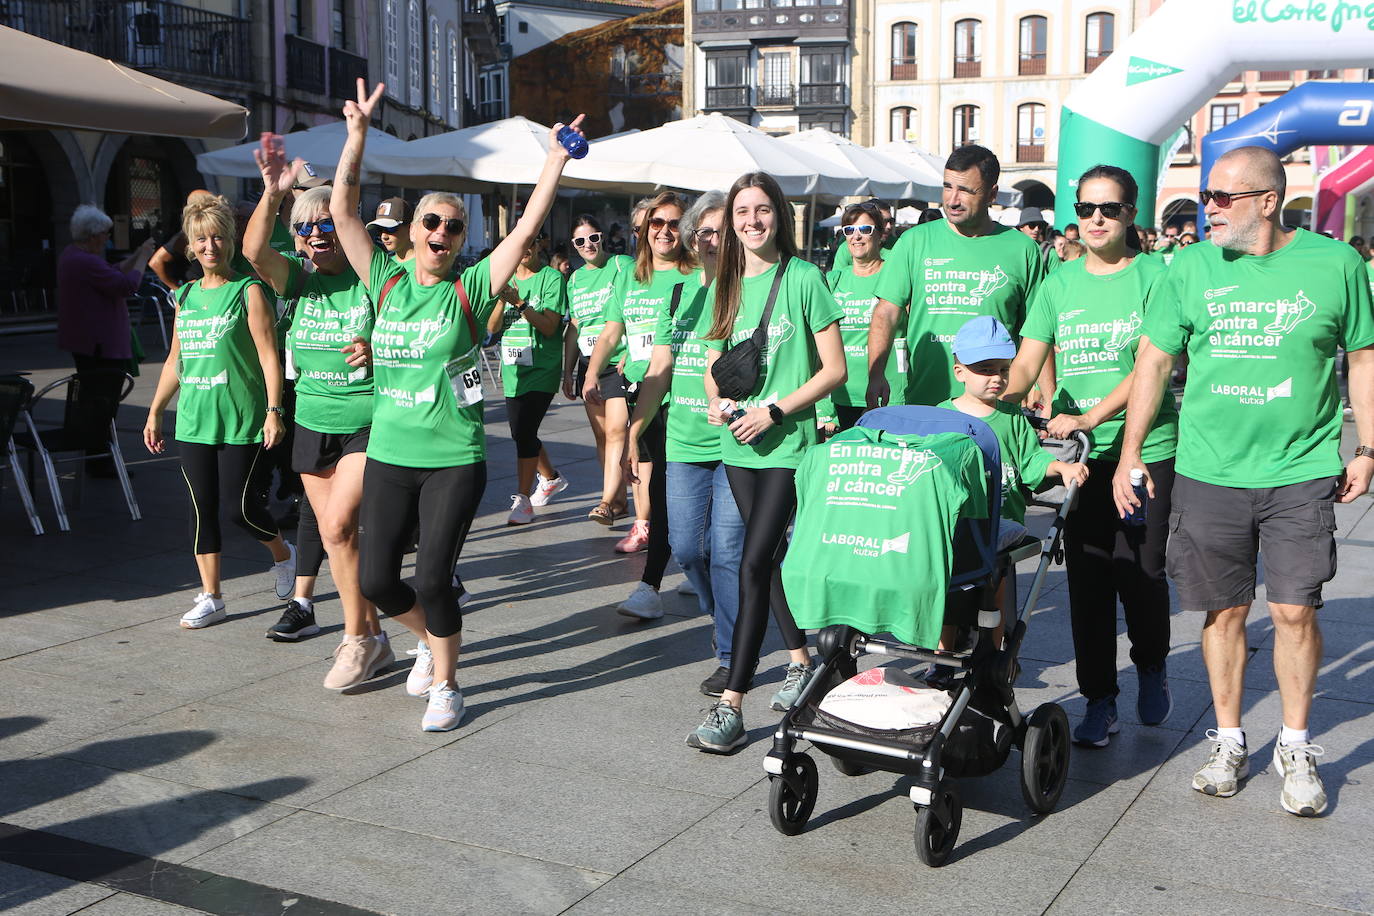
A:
[383,346]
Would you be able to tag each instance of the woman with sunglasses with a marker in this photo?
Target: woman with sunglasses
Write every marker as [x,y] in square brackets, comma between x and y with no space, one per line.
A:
[223,360]
[328,313]
[854,288]
[531,362]
[426,456]
[1087,315]
[655,287]
[589,293]
[764,436]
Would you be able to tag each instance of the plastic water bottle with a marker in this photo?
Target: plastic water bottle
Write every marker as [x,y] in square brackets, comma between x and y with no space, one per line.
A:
[573,142]
[1138,514]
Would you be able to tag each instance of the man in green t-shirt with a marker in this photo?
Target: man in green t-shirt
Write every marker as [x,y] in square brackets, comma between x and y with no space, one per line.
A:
[1260,311]
[947,272]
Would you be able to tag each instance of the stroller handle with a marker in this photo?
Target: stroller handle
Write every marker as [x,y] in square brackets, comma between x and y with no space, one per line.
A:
[1079,437]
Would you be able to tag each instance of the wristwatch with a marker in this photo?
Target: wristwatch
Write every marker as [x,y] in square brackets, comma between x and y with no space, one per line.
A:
[776,413]
[281,412]
[520,307]
[1364,451]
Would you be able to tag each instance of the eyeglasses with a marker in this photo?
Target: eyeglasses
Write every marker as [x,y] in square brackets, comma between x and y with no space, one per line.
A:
[431,221]
[704,233]
[1111,209]
[584,241]
[658,223]
[849,231]
[1224,198]
[304,229]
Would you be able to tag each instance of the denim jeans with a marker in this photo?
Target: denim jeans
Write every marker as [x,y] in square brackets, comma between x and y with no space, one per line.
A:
[706,535]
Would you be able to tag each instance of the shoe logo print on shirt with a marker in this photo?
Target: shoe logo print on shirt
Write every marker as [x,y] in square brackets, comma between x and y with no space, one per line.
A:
[431,329]
[915,463]
[219,326]
[1290,313]
[356,317]
[992,281]
[1124,330]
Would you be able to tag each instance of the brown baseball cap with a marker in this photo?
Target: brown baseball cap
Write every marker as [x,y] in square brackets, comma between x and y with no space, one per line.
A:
[309,178]
[391,213]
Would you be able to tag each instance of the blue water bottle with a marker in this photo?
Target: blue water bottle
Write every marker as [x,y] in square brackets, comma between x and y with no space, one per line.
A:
[1136,517]
[573,142]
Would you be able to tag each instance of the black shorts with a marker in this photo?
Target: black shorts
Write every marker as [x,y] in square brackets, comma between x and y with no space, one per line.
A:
[580,374]
[613,384]
[312,452]
[1216,535]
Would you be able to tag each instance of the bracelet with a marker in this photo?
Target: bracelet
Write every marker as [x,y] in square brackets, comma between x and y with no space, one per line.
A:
[279,411]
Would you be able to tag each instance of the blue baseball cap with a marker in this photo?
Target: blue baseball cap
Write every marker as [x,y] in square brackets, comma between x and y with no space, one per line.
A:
[983,338]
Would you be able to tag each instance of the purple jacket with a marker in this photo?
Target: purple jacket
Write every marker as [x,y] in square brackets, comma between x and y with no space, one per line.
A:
[92,313]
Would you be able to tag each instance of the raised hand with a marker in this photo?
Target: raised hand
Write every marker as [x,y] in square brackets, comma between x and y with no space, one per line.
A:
[358,113]
[554,145]
[278,175]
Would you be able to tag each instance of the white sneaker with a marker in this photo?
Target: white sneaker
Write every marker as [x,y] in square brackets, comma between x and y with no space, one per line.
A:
[1227,765]
[521,512]
[422,672]
[445,708]
[285,571]
[545,489]
[205,611]
[643,603]
[1303,793]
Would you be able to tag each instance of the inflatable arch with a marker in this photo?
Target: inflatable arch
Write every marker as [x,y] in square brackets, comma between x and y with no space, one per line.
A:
[1178,59]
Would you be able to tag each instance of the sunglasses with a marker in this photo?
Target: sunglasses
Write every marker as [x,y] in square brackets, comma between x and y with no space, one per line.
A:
[584,241]
[704,233]
[849,231]
[304,229]
[453,225]
[1111,209]
[658,223]
[1224,198]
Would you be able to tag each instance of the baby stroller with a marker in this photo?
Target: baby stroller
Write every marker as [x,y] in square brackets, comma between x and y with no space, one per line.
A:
[958,719]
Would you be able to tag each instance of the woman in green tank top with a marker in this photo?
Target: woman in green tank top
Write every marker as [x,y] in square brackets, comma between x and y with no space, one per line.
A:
[223,358]
[328,317]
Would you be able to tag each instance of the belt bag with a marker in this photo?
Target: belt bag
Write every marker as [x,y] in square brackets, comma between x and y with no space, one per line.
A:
[736,371]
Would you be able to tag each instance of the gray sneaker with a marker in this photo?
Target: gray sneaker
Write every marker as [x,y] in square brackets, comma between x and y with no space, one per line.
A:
[1303,793]
[795,681]
[1228,764]
[722,732]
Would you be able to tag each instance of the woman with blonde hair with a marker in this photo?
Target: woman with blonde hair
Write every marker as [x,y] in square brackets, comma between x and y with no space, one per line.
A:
[223,359]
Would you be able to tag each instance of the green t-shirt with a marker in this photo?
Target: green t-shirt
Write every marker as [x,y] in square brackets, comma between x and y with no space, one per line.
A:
[531,361]
[944,279]
[1024,462]
[332,309]
[804,306]
[1261,407]
[1093,323]
[845,258]
[638,306]
[690,437]
[825,412]
[1369,266]
[283,240]
[589,293]
[874,539]
[856,296]
[428,411]
[223,398]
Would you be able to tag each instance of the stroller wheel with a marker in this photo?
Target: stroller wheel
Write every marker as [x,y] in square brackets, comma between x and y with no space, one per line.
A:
[937,827]
[787,809]
[1045,758]
[849,768]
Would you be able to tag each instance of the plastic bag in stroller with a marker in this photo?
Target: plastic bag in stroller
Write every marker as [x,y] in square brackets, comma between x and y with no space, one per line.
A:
[897,533]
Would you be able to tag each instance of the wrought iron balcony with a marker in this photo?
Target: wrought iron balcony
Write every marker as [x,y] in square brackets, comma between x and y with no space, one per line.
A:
[166,38]
[1030,152]
[727,97]
[904,68]
[345,70]
[748,19]
[776,95]
[304,65]
[821,95]
[480,30]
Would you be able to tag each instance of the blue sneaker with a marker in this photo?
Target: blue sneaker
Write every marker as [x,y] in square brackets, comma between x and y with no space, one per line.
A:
[1154,701]
[722,732]
[1099,723]
[795,681]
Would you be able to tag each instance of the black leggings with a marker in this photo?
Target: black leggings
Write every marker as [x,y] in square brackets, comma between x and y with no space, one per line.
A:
[443,501]
[236,476]
[525,412]
[766,498]
[1108,559]
[309,546]
[651,447]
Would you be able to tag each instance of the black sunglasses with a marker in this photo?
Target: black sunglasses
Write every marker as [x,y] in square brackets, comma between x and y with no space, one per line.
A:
[584,241]
[1110,209]
[453,225]
[658,223]
[1224,198]
[304,229]
[848,231]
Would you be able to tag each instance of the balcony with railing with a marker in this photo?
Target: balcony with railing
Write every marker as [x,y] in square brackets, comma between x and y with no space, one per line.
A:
[749,19]
[345,70]
[481,30]
[305,65]
[1030,152]
[967,67]
[776,95]
[727,98]
[1275,76]
[821,95]
[1031,63]
[1093,59]
[904,68]
[154,35]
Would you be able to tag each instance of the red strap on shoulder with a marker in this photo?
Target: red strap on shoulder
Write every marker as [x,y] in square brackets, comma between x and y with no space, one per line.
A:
[386,288]
[467,310]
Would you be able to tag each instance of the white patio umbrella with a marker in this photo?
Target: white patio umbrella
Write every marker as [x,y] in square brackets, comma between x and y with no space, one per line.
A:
[928,168]
[887,177]
[506,152]
[320,146]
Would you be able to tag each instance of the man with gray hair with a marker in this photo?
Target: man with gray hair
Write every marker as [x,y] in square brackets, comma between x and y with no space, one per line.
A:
[1260,311]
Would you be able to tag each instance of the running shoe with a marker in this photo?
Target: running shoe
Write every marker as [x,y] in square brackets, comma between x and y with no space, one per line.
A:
[793,683]
[1099,723]
[205,611]
[714,685]
[296,621]
[636,540]
[722,732]
[464,596]
[445,709]
[285,571]
[1153,702]
[545,489]
[521,512]
[1303,793]
[357,659]
[1226,766]
[643,603]
[422,672]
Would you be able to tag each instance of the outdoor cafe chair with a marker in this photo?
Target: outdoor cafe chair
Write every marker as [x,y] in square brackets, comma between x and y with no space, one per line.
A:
[15,392]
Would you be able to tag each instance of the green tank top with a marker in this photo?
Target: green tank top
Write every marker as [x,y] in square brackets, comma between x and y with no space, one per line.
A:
[223,397]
